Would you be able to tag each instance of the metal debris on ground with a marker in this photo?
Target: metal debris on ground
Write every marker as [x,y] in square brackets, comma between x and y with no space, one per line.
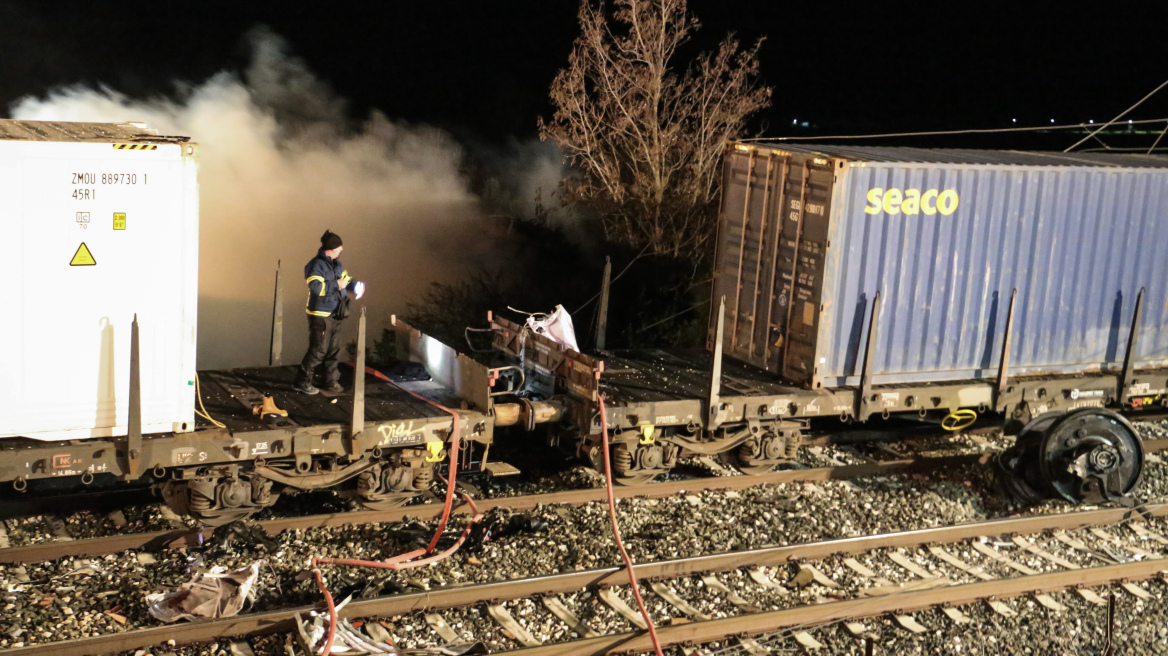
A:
[500,523]
[208,595]
[241,531]
[350,637]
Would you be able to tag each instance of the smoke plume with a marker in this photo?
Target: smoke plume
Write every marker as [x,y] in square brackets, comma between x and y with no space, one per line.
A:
[279,165]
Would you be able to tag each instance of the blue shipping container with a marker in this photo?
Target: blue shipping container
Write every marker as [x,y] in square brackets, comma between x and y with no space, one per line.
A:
[809,236]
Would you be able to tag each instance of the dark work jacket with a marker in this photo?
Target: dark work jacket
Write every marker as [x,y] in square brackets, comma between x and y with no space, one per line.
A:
[322,276]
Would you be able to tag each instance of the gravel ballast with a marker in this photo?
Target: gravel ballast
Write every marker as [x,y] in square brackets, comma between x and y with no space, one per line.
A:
[88,597]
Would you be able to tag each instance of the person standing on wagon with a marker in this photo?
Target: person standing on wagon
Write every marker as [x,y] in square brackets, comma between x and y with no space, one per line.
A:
[328,304]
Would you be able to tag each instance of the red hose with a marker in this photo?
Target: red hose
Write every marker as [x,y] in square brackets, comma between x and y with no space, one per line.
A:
[616,532]
[332,609]
[453,471]
[406,560]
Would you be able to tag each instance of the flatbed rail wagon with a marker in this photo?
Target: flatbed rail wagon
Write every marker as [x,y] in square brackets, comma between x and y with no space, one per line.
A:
[851,285]
[935,285]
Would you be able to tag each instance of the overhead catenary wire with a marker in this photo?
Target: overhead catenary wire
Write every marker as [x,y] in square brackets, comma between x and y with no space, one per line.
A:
[614,279]
[1157,141]
[933,133]
[1137,149]
[672,316]
[1119,116]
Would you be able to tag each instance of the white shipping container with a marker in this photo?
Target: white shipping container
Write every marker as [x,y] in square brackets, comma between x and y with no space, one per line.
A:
[99,222]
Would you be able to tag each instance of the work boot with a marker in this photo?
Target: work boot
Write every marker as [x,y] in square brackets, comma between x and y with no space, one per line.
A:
[307,388]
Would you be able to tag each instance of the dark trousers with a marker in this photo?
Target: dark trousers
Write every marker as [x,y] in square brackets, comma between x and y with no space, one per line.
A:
[323,348]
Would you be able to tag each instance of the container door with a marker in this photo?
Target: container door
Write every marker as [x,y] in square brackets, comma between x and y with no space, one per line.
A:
[747,246]
[799,267]
[772,236]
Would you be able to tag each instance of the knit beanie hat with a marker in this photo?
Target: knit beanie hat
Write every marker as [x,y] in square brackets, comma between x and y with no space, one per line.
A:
[329,240]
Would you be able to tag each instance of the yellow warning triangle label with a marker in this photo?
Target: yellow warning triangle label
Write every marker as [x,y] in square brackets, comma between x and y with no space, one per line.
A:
[82,257]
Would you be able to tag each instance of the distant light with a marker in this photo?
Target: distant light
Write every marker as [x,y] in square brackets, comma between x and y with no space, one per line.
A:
[1014,119]
[1129,121]
[805,124]
[795,122]
[1090,120]
[1052,120]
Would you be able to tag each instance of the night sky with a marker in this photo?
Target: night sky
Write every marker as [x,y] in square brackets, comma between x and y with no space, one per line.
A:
[481,69]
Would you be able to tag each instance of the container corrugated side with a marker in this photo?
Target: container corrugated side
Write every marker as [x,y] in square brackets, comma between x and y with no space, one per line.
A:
[1078,244]
[66,335]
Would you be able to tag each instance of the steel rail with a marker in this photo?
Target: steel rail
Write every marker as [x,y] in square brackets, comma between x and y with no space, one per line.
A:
[155,540]
[463,595]
[158,540]
[815,614]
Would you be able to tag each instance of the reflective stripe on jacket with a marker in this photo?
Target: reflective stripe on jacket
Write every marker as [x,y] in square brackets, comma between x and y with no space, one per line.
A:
[324,292]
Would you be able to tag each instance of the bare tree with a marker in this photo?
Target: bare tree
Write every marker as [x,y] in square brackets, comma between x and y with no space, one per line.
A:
[646,139]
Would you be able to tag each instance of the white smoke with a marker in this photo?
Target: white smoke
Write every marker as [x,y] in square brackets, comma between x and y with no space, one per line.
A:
[523,180]
[278,167]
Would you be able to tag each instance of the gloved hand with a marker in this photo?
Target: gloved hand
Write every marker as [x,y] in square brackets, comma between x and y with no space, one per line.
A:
[359,289]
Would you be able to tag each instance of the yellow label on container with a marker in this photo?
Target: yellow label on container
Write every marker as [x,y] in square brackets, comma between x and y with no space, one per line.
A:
[119,220]
[82,257]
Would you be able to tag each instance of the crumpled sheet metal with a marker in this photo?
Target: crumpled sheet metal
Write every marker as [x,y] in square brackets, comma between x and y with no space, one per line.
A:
[350,640]
[208,595]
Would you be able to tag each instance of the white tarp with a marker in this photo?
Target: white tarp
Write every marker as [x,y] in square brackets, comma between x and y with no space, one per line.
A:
[556,326]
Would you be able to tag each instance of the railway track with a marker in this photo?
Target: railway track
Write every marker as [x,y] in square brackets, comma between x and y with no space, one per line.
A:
[191,537]
[81,548]
[898,573]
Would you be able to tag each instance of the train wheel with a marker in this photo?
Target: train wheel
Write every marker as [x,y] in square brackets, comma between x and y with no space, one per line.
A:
[635,463]
[1088,455]
[217,500]
[759,455]
[394,482]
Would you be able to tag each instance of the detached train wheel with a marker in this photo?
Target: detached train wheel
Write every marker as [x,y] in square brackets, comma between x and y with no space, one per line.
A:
[1090,455]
